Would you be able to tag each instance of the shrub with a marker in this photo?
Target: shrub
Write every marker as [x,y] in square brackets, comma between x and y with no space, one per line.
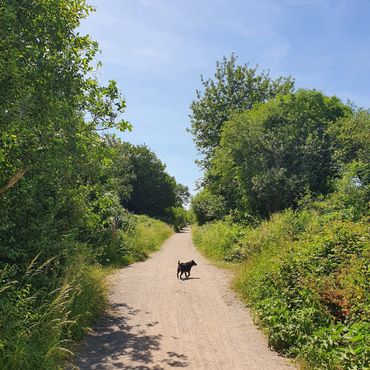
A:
[178,217]
[216,239]
[39,323]
[207,207]
[137,236]
[313,295]
[306,276]
[46,307]
[147,236]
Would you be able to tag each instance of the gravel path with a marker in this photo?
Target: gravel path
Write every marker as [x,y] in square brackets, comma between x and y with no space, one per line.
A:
[159,322]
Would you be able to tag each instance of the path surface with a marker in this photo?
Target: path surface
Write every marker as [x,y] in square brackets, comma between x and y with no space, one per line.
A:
[159,322]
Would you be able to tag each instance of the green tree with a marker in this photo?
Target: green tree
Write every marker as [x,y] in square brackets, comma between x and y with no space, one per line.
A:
[207,206]
[351,137]
[154,191]
[269,155]
[120,172]
[234,88]
[182,195]
[50,111]
[351,194]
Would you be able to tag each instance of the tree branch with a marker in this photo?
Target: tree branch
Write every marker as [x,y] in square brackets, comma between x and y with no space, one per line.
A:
[13,180]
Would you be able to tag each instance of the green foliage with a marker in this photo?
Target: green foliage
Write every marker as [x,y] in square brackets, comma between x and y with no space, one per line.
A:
[137,236]
[62,184]
[352,136]
[272,153]
[48,306]
[304,271]
[207,206]
[264,146]
[53,162]
[178,217]
[314,296]
[182,195]
[147,237]
[306,276]
[46,88]
[153,189]
[233,242]
[191,218]
[235,88]
[216,240]
[350,200]
[39,316]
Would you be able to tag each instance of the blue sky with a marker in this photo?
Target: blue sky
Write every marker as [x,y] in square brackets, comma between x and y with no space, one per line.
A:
[157,49]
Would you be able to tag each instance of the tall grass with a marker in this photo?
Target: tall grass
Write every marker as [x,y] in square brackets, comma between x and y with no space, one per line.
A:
[306,276]
[41,314]
[46,308]
[231,242]
[141,236]
[148,235]
[217,239]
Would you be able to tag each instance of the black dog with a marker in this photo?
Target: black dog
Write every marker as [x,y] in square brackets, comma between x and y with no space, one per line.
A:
[185,268]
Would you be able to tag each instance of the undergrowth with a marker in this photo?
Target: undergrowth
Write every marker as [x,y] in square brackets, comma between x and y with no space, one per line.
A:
[49,305]
[306,276]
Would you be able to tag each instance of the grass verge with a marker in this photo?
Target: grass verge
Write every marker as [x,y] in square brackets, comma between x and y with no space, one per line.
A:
[46,308]
[306,276]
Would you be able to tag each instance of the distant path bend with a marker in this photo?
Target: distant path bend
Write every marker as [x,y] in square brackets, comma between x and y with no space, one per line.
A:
[159,322]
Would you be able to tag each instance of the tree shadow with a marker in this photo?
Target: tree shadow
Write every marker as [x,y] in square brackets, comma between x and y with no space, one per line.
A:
[185,230]
[176,360]
[115,342]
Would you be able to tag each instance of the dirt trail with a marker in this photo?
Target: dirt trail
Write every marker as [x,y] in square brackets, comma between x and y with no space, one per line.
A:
[159,322]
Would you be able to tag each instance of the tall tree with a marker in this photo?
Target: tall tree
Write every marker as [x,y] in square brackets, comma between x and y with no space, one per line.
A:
[234,88]
[269,155]
[182,195]
[154,191]
[50,110]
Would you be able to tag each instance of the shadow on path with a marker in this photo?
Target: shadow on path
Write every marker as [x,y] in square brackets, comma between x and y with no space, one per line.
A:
[115,342]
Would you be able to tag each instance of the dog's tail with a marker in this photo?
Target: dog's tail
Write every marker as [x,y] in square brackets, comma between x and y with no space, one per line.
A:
[178,262]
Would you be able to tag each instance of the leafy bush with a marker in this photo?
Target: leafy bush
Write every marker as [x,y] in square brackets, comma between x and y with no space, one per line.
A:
[350,200]
[178,217]
[49,305]
[314,294]
[306,276]
[207,207]
[40,318]
[216,239]
[224,240]
[147,236]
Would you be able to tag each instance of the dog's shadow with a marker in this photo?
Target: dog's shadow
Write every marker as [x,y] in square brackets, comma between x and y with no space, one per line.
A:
[190,278]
